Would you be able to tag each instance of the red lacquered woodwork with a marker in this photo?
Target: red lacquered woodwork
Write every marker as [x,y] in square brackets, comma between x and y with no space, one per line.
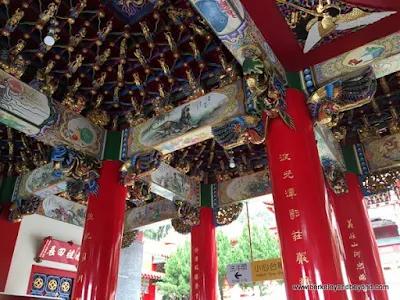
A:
[204,258]
[309,252]
[97,274]
[361,256]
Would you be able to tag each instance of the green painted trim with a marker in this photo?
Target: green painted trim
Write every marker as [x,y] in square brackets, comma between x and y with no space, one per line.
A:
[206,195]
[7,189]
[294,80]
[112,148]
[351,160]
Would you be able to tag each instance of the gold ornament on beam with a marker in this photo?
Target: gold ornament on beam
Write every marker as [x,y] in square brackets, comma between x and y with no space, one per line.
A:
[120,74]
[100,60]
[18,47]
[375,106]
[49,85]
[96,115]
[171,41]
[146,30]
[195,50]
[138,108]
[103,34]
[99,100]
[174,14]
[227,214]
[16,66]
[116,92]
[367,132]
[106,30]
[75,65]
[136,119]
[159,4]
[123,48]
[130,118]
[76,105]
[49,67]
[99,82]
[129,237]
[158,105]
[74,88]
[137,80]
[140,57]
[76,11]
[164,67]
[161,90]
[340,134]
[382,181]
[45,16]
[76,39]
[394,122]
[115,123]
[190,78]
[199,30]
[384,85]
[13,22]
[223,62]
[50,88]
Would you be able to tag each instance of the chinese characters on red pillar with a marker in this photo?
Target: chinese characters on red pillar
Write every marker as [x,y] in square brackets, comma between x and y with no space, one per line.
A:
[86,236]
[196,273]
[294,213]
[356,252]
[59,251]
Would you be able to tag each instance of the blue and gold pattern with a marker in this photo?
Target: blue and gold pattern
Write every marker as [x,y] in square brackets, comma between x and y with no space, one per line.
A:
[51,286]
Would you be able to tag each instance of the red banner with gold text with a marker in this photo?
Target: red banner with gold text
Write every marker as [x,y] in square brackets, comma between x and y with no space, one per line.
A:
[59,251]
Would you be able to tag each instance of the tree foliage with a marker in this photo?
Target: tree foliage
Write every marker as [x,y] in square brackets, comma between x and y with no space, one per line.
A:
[157,234]
[176,283]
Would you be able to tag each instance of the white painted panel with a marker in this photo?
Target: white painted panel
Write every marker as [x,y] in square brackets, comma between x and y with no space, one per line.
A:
[30,239]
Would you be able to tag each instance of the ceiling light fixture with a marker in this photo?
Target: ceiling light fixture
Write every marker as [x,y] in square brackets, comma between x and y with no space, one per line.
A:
[232,162]
[49,38]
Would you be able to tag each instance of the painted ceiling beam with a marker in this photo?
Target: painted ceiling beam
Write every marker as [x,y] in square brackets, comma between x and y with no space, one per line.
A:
[31,112]
[237,31]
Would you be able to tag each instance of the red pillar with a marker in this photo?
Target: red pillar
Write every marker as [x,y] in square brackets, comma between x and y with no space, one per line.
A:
[102,237]
[308,248]
[151,295]
[204,258]
[9,234]
[361,251]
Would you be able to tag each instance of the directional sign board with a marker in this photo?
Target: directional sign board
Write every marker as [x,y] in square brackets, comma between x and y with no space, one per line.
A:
[239,273]
[270,269]
[262,270]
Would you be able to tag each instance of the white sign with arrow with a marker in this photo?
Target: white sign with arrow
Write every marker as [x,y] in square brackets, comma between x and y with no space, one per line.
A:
[239,273]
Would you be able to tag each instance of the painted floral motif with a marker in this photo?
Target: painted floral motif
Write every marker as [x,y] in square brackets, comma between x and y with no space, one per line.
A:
[364,56]
[243,188]
[63,210]
[337,67]
[383,153]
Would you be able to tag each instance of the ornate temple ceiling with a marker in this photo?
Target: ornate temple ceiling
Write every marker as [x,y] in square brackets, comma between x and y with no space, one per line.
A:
[169,48]
[19,153]
[282,38]
[381,113]
[135,57]
[210,163]
[136,61]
